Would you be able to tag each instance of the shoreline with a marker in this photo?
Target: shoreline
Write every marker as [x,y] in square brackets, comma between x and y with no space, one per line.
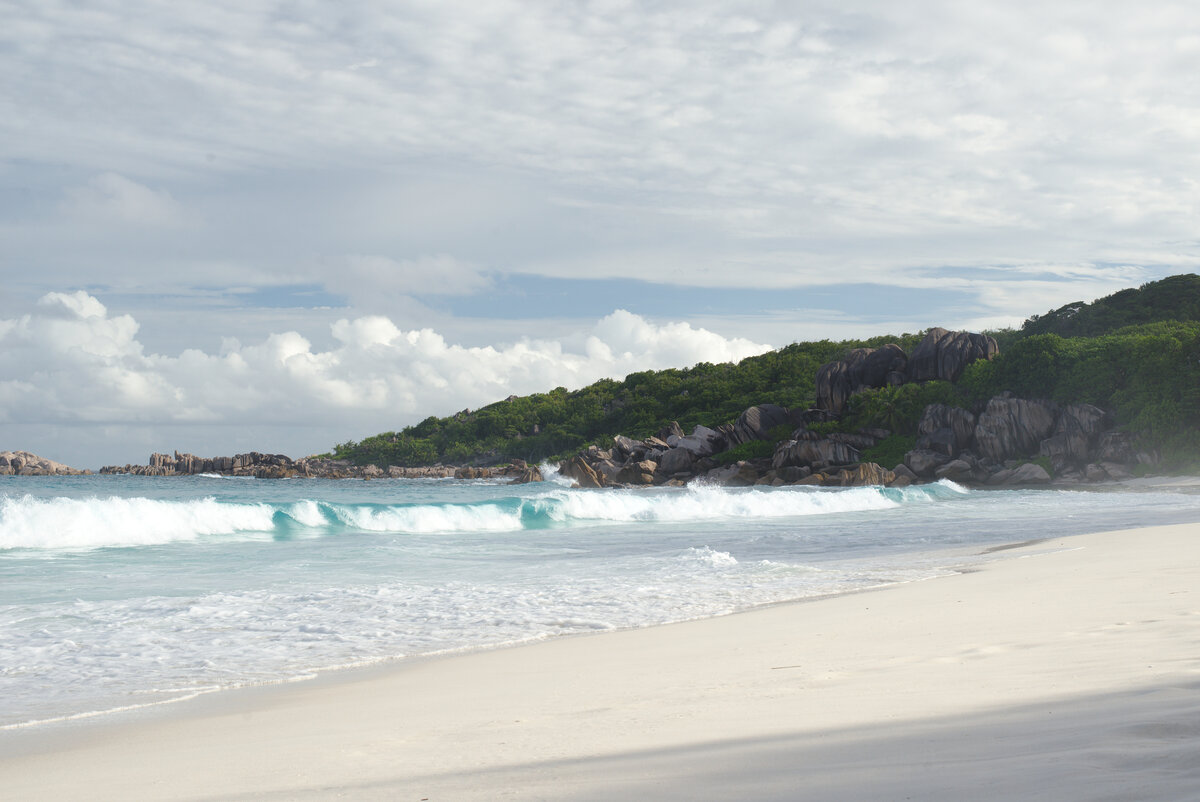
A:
[951,560]
[663,711]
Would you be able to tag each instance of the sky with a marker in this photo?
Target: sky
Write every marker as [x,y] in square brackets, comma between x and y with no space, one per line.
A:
[277,226]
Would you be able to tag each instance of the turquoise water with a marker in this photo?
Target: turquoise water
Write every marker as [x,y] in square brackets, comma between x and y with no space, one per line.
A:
[124,591]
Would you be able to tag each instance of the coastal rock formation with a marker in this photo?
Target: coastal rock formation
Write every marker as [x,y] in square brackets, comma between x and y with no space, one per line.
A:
[945,354]
[941,355]
[923,462]
[585,475]
[814,454]
[1013,427]
[944,429]
[805,458]
[702,442]
[280,466]
[1075,436]
[1026,474]
[1071,441]
[23,463]
[862,369]
[755,423]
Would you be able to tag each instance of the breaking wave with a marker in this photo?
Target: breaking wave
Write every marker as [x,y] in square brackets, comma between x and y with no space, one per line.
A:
[27,522]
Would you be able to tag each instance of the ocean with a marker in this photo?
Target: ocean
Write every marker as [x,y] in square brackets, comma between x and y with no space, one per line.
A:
[121,592]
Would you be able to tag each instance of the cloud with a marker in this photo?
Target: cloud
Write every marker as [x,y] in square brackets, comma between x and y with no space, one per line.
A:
[403,157]
[70,362]
[112,198]
[371,281]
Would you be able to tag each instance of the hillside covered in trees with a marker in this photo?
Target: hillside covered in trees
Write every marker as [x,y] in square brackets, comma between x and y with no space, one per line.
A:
[1136,353]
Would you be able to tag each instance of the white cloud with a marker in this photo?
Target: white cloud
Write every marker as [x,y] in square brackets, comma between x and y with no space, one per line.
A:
[68,362]
[399,154]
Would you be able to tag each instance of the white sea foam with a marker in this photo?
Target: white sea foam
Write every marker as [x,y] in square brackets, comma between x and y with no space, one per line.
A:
[306,513]
[67,523]
[706,503]
[707,556]
[430,518]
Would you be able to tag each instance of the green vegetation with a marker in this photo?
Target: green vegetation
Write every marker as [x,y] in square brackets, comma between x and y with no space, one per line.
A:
[1148,375]
[754,449]
[890,451]
[560,422]
[898,409]
[1136,352]
[1174,298]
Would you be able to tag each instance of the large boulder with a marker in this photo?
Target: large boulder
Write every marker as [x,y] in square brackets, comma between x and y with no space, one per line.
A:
[858,440]
[756,423]
[1013,427]
[624,448]
[672,429]
[702,442]
[584,475]
[738,474]
[815,454]
[861,475]
[902,476]
[530,473]
[1116,447]
[862,369]
[26,464]
[945,429]
[1075,436]
[958,470]
[1028,474]
[923,462]
[945,354]
[637,473]
[675,460]
[833,386]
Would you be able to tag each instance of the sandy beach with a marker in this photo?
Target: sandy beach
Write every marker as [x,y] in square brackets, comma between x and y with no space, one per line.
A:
[1069,669]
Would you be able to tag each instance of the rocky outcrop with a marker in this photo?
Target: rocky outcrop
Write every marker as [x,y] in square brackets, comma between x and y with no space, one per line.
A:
[702,442]
[23,463]
[941,355]
[1012,427]
[527,474]
[1010,433]
[945,354]
[862,369]
[805,458]
[1075,436]
[944,429]
[755,423]
[923,462]
[815,454]
[1027,474]
[584,475]
[280,466]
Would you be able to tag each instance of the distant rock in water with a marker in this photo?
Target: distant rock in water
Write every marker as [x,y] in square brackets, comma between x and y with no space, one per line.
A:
[280,466]
[22,463]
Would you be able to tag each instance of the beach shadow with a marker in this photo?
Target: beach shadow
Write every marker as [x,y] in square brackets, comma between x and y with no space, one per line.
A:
[1141,744]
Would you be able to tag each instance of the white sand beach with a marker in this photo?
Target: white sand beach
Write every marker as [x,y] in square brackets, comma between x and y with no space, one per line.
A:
[1069,670]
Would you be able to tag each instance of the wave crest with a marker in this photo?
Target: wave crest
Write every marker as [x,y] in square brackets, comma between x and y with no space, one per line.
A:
[89,523]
